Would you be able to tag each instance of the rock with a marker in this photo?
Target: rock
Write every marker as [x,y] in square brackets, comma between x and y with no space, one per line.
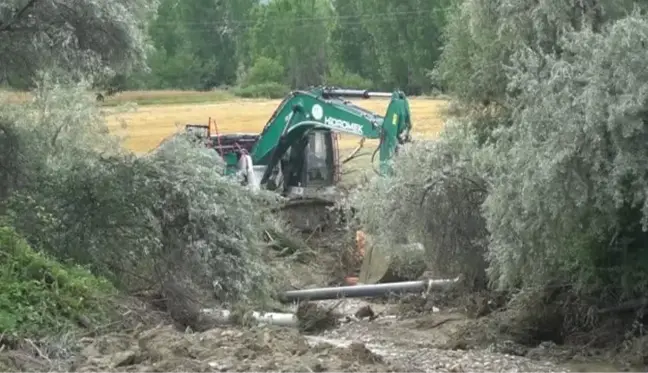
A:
[455,368]
[365,312]
[125,358]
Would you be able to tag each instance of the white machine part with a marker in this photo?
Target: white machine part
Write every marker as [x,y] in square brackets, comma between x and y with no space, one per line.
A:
[247,171]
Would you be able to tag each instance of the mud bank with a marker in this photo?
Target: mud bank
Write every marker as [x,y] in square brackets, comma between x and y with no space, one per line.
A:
[269,349]
[390,342]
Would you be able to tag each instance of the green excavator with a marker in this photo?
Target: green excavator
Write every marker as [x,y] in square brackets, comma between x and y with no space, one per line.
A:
[297,151]
[297,155]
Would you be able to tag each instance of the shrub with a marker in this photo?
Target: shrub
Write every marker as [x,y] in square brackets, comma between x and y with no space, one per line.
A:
[338,77]
[433,197]
[263,90]
[568,203]
[138,221]
[39,296]
[265,70]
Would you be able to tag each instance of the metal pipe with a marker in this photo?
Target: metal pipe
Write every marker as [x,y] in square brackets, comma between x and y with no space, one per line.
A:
[359,291]
[268,318]
[380,94]
[361,93]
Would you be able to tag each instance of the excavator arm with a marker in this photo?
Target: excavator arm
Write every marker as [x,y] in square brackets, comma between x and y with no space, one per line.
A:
[327,109]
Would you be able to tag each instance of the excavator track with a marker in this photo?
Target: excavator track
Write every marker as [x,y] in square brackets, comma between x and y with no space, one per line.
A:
[309,214]
[311,210]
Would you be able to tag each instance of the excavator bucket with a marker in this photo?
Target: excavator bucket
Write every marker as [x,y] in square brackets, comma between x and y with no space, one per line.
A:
[375,262]
[383,264]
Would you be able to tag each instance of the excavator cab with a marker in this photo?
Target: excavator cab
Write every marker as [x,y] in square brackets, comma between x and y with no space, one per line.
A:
[312,161]
[305,125]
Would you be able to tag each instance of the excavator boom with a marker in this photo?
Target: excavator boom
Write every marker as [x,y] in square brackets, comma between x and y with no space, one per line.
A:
[326,109]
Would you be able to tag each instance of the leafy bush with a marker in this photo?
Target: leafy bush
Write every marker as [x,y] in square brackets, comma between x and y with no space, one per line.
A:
[340,78]
[569,202]
[265,70]
[138,221]
[557,170]
[263,90]
[434,197]
[263,80]
[38,295]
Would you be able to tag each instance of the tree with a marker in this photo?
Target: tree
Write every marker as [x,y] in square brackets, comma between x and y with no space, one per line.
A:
[551,144]
[295,33]
[407,37]
[72,191]
[482,35]
[569,200]
[82,37]
[354,48]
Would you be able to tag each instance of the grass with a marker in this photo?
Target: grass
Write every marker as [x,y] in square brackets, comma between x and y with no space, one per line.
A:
[167,97]
[146,127]
[143,98]
[162,113]
[39,296]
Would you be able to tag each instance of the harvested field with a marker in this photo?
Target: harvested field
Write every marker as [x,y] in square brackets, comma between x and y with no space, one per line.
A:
[145,128]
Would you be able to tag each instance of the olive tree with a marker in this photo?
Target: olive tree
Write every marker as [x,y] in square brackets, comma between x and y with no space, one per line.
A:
[558,161]
[140,221]
[568,200]
[82,37]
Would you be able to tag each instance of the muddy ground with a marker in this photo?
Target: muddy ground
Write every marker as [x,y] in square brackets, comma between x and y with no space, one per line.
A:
[388,343]
[412,334]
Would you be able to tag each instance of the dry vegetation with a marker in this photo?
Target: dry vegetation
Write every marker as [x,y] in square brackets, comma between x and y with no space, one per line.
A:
[162,113]
[167,97]
[145,128]
[140,97]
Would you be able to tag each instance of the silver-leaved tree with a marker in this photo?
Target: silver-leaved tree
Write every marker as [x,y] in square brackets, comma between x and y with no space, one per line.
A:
[540,180]
[85,36]
[72,191]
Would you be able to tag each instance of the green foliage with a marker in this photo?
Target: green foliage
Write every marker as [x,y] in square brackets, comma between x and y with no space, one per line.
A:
[481,36]
[204,32]
[295,34]
[265,70]
[354,49]
[201,45]
[180,71]
[263,90]
[39,296]
[196,44]
[544,171]
[581,213]
[263,80]
[472,64]
[340,78]
[137,221]
[434,197]
[107,36]
[406,38]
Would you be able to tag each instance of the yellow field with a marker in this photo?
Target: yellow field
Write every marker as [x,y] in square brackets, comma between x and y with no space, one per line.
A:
[144,129]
